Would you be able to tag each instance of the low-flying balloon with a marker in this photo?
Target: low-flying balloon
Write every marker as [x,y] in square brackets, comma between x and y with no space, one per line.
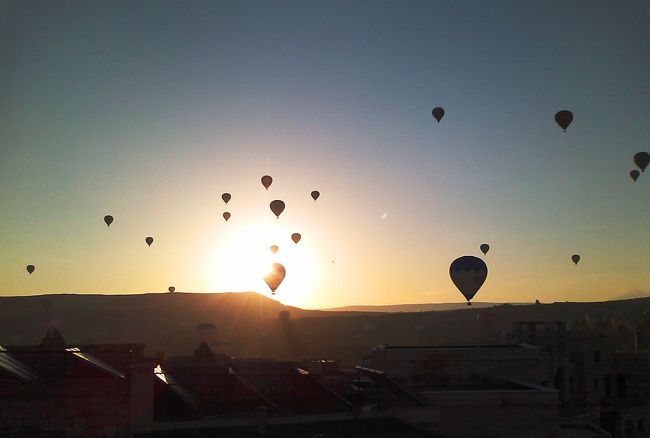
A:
[226,197]
[275,276]
[266,181]
[634,174]
[30,269]
[468,274]
[438,113]
[296,237]
[563,119]
[226,216]
[642,159]
[315,195]
[277,207]
[108,219]
[485,248]
[575,258]
[171,289]
[274,248]
[149,240]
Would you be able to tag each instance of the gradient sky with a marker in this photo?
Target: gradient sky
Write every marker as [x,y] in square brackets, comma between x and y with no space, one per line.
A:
[150,110]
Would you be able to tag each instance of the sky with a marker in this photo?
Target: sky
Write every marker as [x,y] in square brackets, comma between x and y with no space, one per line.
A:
[150,110]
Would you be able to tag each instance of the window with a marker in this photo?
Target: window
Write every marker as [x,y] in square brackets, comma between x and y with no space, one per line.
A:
[597,356]
[641,425]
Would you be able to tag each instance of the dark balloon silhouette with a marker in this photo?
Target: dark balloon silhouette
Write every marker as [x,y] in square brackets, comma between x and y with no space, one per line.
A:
[266,181]
[642,159]
[274,248]
[468,274]
[226,197]
[277,207]
[575,258]
[296,237]
[315,195]
[108,219]
[171,289]
[149,240]
[563,119]
[634,174]
[226,216]
[284,315]
[275,276]
[30,269]
[485,248]
[438,113]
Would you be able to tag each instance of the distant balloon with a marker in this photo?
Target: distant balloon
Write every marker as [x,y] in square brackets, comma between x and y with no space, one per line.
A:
[575,258]
[642,159]
[296,237]
[438,113]
[634,174]
[30,269]
[274,248]
[108,219]
[171,289]
[485,248]
[226,197]
[563,119]
[266,181]
[275,276]
[149,240]
[277,207]
[226,216]
[468,274]
[284,315]
[315,194]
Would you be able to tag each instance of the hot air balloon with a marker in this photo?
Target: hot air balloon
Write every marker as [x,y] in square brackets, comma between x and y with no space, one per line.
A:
[564,118]
[149,240]
[485,248]
[634,174]
[296,237]
[226,197]
[274,248]
[30,269]
[277,207]
[315,194]
[438,113]
[642,159]
[171,289]
[266,181]
[275,276]
[284,315]
[226,216]
[468,274]
[108,219]
[575,258]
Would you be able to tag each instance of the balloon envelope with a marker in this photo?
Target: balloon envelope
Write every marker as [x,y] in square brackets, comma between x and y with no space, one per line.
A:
[149,240]
[274,248]
[315,194]
[296,237]
[30,269]
[642,159]
[275,276]
[575,258]
[564,118]
[226,197]
[266,181]
[108,219]
[634,174]
[468,274]
[226,216]
[277,207]
[171,289]
[485,248]
[438,113]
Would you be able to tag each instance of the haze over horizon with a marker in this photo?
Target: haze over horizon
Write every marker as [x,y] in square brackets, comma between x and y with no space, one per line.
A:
[149,111]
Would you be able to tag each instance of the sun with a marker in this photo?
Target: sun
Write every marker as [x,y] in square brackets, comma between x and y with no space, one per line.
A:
[244,256]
